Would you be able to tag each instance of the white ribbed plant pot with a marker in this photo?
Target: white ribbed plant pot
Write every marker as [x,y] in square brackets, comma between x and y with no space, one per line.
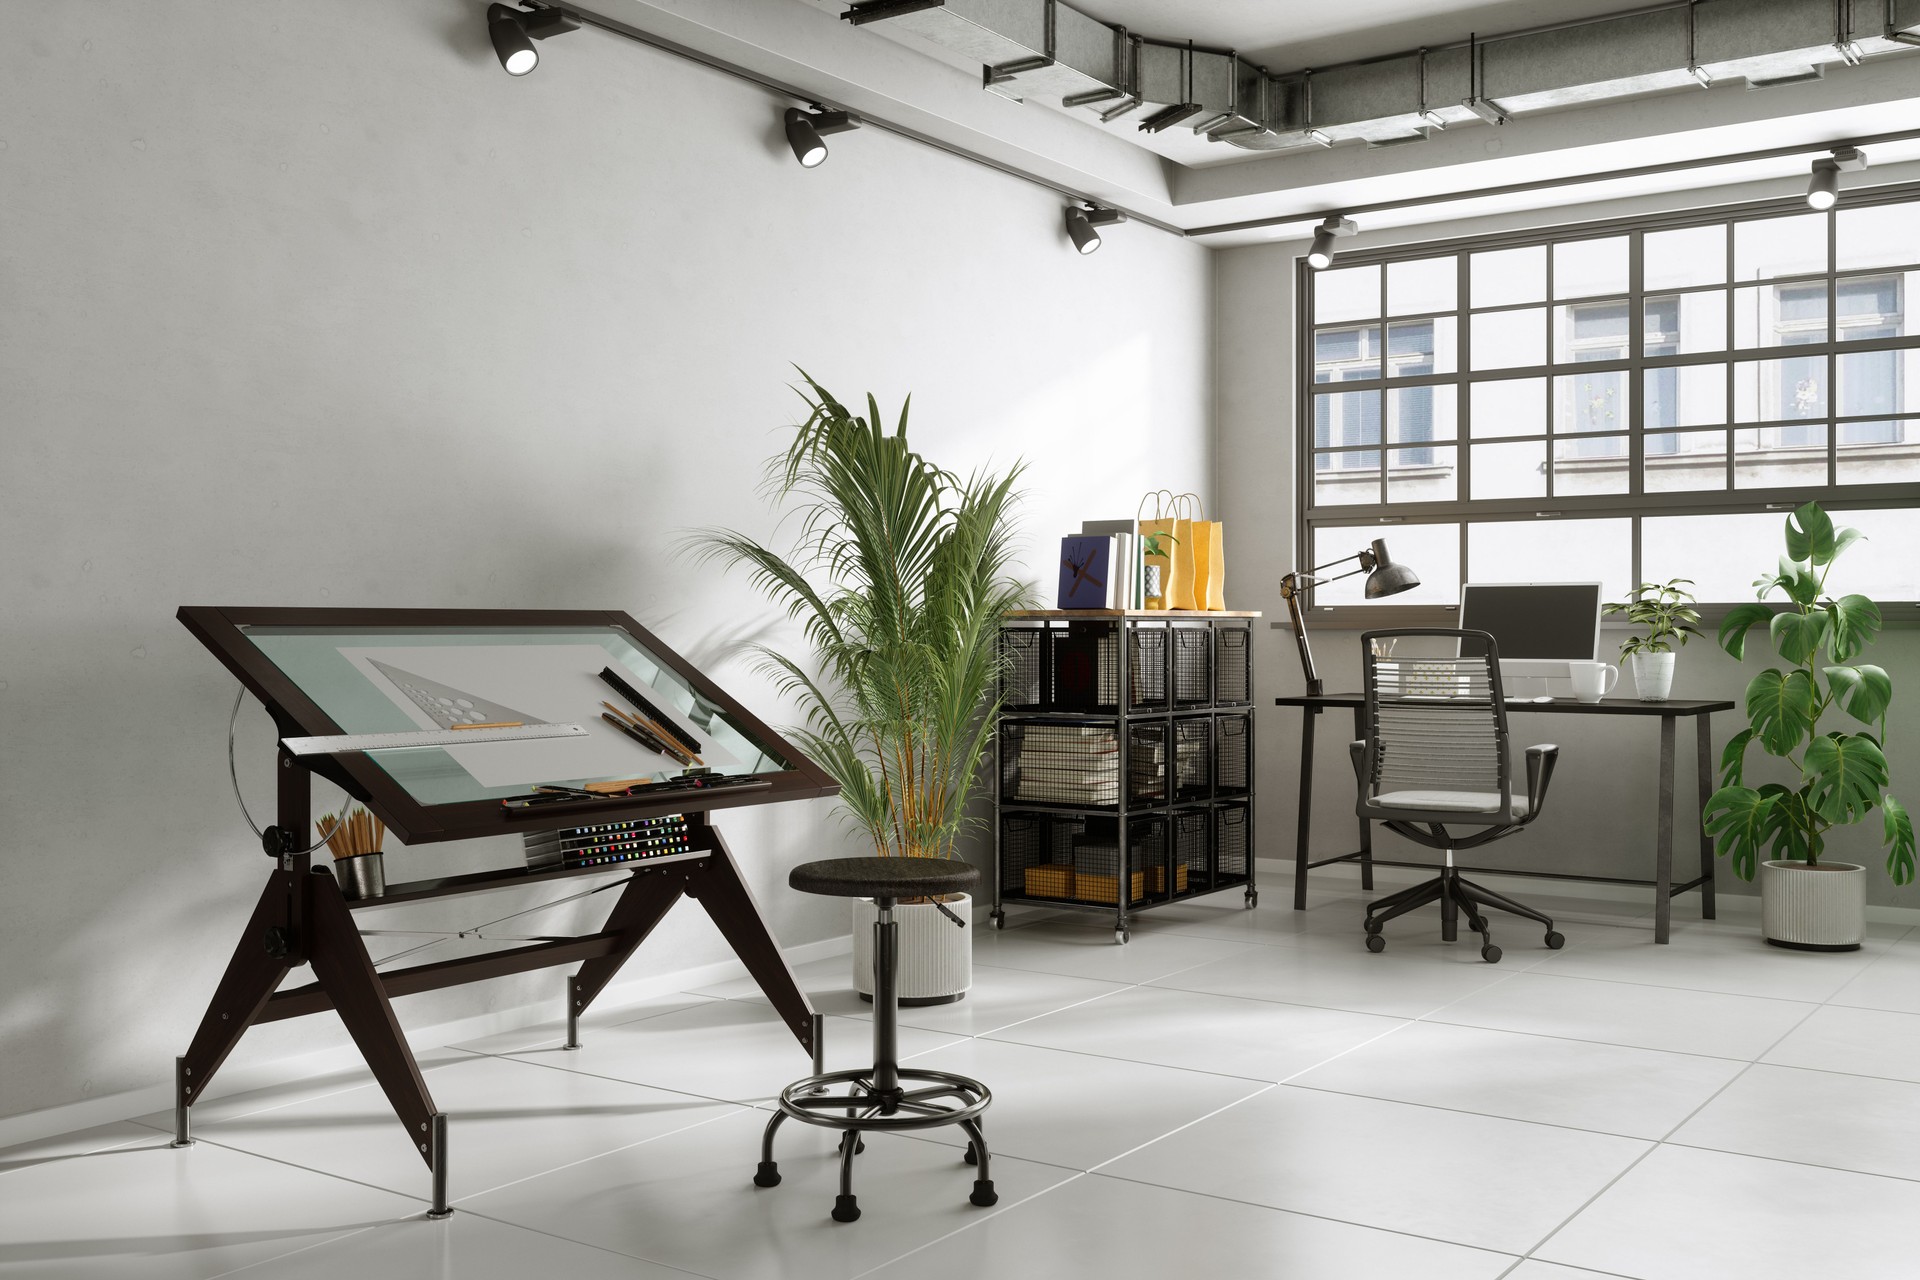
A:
[1652,676]
[1817,908]
[936,956]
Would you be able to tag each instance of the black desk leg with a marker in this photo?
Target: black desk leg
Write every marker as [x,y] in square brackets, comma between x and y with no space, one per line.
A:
[1703,767]
[1366,828]
[1305,829]
[1663,858]
[715,883]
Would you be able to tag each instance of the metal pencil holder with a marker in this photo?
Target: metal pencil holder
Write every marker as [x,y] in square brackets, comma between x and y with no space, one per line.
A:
[361,876]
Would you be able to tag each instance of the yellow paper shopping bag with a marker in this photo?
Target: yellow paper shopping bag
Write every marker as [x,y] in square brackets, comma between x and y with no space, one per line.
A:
[1209,560]
[1171,569]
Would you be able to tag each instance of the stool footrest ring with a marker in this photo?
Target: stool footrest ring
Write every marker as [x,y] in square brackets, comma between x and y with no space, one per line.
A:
[802,1100]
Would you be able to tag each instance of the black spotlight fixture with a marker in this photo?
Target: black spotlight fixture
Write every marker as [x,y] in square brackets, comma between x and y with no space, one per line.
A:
[1081,223]
[1823,189]
[804,129]
[1320,253]
[513,32]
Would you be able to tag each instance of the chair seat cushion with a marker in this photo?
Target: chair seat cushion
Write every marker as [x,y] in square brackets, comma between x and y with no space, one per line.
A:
[884,877]
[1450,801]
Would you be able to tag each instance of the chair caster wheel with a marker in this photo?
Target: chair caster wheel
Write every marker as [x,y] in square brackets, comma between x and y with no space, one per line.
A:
[972,1156]
[1376,943]
[767,1175]
[983,1193]
[1122,936]
[1555,941]
[1490,953]
[846,1208]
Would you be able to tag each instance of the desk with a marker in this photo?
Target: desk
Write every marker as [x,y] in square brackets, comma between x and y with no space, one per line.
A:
[1669,714]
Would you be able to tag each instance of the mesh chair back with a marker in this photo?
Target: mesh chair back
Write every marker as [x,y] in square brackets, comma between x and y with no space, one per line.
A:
[1434,725]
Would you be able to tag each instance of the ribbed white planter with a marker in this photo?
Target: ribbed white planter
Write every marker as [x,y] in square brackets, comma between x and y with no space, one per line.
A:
[936,956]
[1818,908]
[1652,676]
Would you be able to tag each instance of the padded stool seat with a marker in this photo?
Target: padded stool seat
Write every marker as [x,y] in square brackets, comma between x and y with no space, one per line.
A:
[884,877]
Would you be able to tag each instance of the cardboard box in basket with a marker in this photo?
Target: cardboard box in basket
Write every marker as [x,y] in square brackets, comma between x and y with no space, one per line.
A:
[1049,882]
[1157,879]
[1092,888]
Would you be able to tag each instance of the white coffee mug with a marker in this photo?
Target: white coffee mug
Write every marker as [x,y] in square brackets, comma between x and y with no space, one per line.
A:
[1592,681]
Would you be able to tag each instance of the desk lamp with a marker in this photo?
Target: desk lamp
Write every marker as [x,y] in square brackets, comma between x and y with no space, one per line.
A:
[1384,578]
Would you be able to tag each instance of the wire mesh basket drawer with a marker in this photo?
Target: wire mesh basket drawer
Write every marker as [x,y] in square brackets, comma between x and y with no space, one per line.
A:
[1193,666]
[1022,673]
[1076,765]
[1232,664]
[1036,854]
[1232,841]
[1193,758]
[1084,668]
[1151,851]
[1193,850]
[1097,863]
[1232,754]
[1147,772]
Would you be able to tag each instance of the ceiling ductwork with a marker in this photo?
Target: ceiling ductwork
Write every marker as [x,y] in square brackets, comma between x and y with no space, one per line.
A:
[1050,52]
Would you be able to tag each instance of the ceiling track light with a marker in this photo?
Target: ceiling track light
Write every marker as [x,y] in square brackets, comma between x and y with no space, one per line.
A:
[1823,188]
[1320,253]
[1082,221]
[805,128]
[513,32]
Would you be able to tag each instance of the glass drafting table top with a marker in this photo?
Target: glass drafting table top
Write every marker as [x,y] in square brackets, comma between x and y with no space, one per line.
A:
[362,671]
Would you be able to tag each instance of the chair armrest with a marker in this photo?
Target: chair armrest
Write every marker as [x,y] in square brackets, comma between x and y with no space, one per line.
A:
[1357,751]
[1540,762]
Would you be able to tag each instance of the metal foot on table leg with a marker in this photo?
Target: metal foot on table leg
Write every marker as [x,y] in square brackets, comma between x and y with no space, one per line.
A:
[573,1014]
[437,1148]
[182,1091]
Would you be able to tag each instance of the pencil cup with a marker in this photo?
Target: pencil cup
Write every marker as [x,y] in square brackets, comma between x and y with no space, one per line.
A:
[361,876]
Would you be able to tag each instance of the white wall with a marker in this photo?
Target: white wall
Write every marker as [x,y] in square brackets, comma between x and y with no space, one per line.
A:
[310,304]
[1600,816]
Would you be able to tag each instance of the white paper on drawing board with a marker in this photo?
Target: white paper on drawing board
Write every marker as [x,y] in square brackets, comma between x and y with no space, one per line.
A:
[557,683]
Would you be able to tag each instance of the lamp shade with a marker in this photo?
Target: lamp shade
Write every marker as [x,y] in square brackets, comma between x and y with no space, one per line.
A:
[1388,578]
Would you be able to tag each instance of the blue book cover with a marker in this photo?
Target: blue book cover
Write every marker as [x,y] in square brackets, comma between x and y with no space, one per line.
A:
[1085,570]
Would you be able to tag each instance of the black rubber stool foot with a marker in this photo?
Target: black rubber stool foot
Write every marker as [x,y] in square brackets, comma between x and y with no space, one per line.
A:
[767,1175]
[972,1156]
[983,1192]
[846,1208]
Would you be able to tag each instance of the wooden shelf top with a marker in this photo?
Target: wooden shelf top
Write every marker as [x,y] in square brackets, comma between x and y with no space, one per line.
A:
[1132,613]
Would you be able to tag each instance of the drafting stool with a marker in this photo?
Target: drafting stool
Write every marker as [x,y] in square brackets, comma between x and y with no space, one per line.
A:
[886,1097]
[1435,756]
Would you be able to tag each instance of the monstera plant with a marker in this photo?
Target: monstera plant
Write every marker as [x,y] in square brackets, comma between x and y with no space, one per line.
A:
[1835,776]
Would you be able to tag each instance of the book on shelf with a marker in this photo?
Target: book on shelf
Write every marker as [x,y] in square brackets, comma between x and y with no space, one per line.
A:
[1129,574]
[1086,572]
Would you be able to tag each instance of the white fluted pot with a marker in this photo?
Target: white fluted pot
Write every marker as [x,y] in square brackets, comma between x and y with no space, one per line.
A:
[936,956]
[1817,908]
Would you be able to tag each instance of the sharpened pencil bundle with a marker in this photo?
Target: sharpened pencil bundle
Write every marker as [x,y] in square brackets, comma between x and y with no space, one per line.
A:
[352,833]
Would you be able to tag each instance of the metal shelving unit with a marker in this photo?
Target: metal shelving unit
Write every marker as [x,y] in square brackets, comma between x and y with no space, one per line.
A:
[1123,773]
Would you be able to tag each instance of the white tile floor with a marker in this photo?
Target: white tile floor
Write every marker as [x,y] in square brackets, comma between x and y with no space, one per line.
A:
[1235,1094]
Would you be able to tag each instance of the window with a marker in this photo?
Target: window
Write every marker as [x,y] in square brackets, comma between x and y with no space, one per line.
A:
[1620,399]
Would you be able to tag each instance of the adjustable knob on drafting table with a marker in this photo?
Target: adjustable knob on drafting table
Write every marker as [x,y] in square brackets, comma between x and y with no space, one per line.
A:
[278,940]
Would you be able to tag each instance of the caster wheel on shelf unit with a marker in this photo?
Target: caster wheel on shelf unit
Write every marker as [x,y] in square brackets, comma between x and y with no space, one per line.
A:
[1253,899]
[1555,941]
[999,919]
[1490,953]
[1376,943]
[1122,936]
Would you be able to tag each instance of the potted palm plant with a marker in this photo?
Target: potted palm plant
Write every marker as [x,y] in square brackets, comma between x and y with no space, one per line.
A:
[900,575]
[1666,611]
[1835,778]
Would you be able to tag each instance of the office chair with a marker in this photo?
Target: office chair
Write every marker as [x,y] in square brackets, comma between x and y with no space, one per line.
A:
[1435,756]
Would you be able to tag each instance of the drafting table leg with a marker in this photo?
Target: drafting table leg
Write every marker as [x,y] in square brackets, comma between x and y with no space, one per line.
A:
[715,881]
[1366,828]
[345,971]
[642,904]
[252,974]
[1305,828]
[1703,771]
[1663,858]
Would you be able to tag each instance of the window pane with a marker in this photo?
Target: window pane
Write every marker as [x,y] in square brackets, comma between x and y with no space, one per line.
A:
[1879,236]
[1693,395]
[1347,477]
[1685,461]
[1873,306]
[1773,457]
[1582,268]
[1779,247]
[1504,276]
[1424,473]
[1590,464]
[1691,255]
[1683,323]
[1510,339]
[1585,402]
[1513,407]
[1415,414]
[1346,355]
[1880,452]
[1780,315]
[1780,390]
[1510,470]
[1430,550]
[1426,284]
[1579,550]
[1346,293]
[1874,382]
[1343,419]
[1415,347]
[1725,553]
[1590,331]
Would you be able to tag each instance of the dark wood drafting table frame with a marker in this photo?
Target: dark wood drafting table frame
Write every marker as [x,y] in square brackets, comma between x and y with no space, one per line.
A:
[1669,713]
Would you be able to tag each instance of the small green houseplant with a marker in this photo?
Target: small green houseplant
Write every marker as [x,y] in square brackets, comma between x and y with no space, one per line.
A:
[1836,777]
[900,574]
[1666,611]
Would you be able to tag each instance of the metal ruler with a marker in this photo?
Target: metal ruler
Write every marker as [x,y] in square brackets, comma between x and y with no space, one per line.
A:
[338,743]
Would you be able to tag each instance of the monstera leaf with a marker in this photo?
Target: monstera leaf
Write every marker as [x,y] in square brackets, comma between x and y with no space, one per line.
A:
[1734,627]
[1864,691]
[1794,578]
[1787,831]
[1737,819]
[1798,636]
[1853,622]
[1733,759]
[1897,835]
[1810,534]
[1780,708]
[1847,773]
